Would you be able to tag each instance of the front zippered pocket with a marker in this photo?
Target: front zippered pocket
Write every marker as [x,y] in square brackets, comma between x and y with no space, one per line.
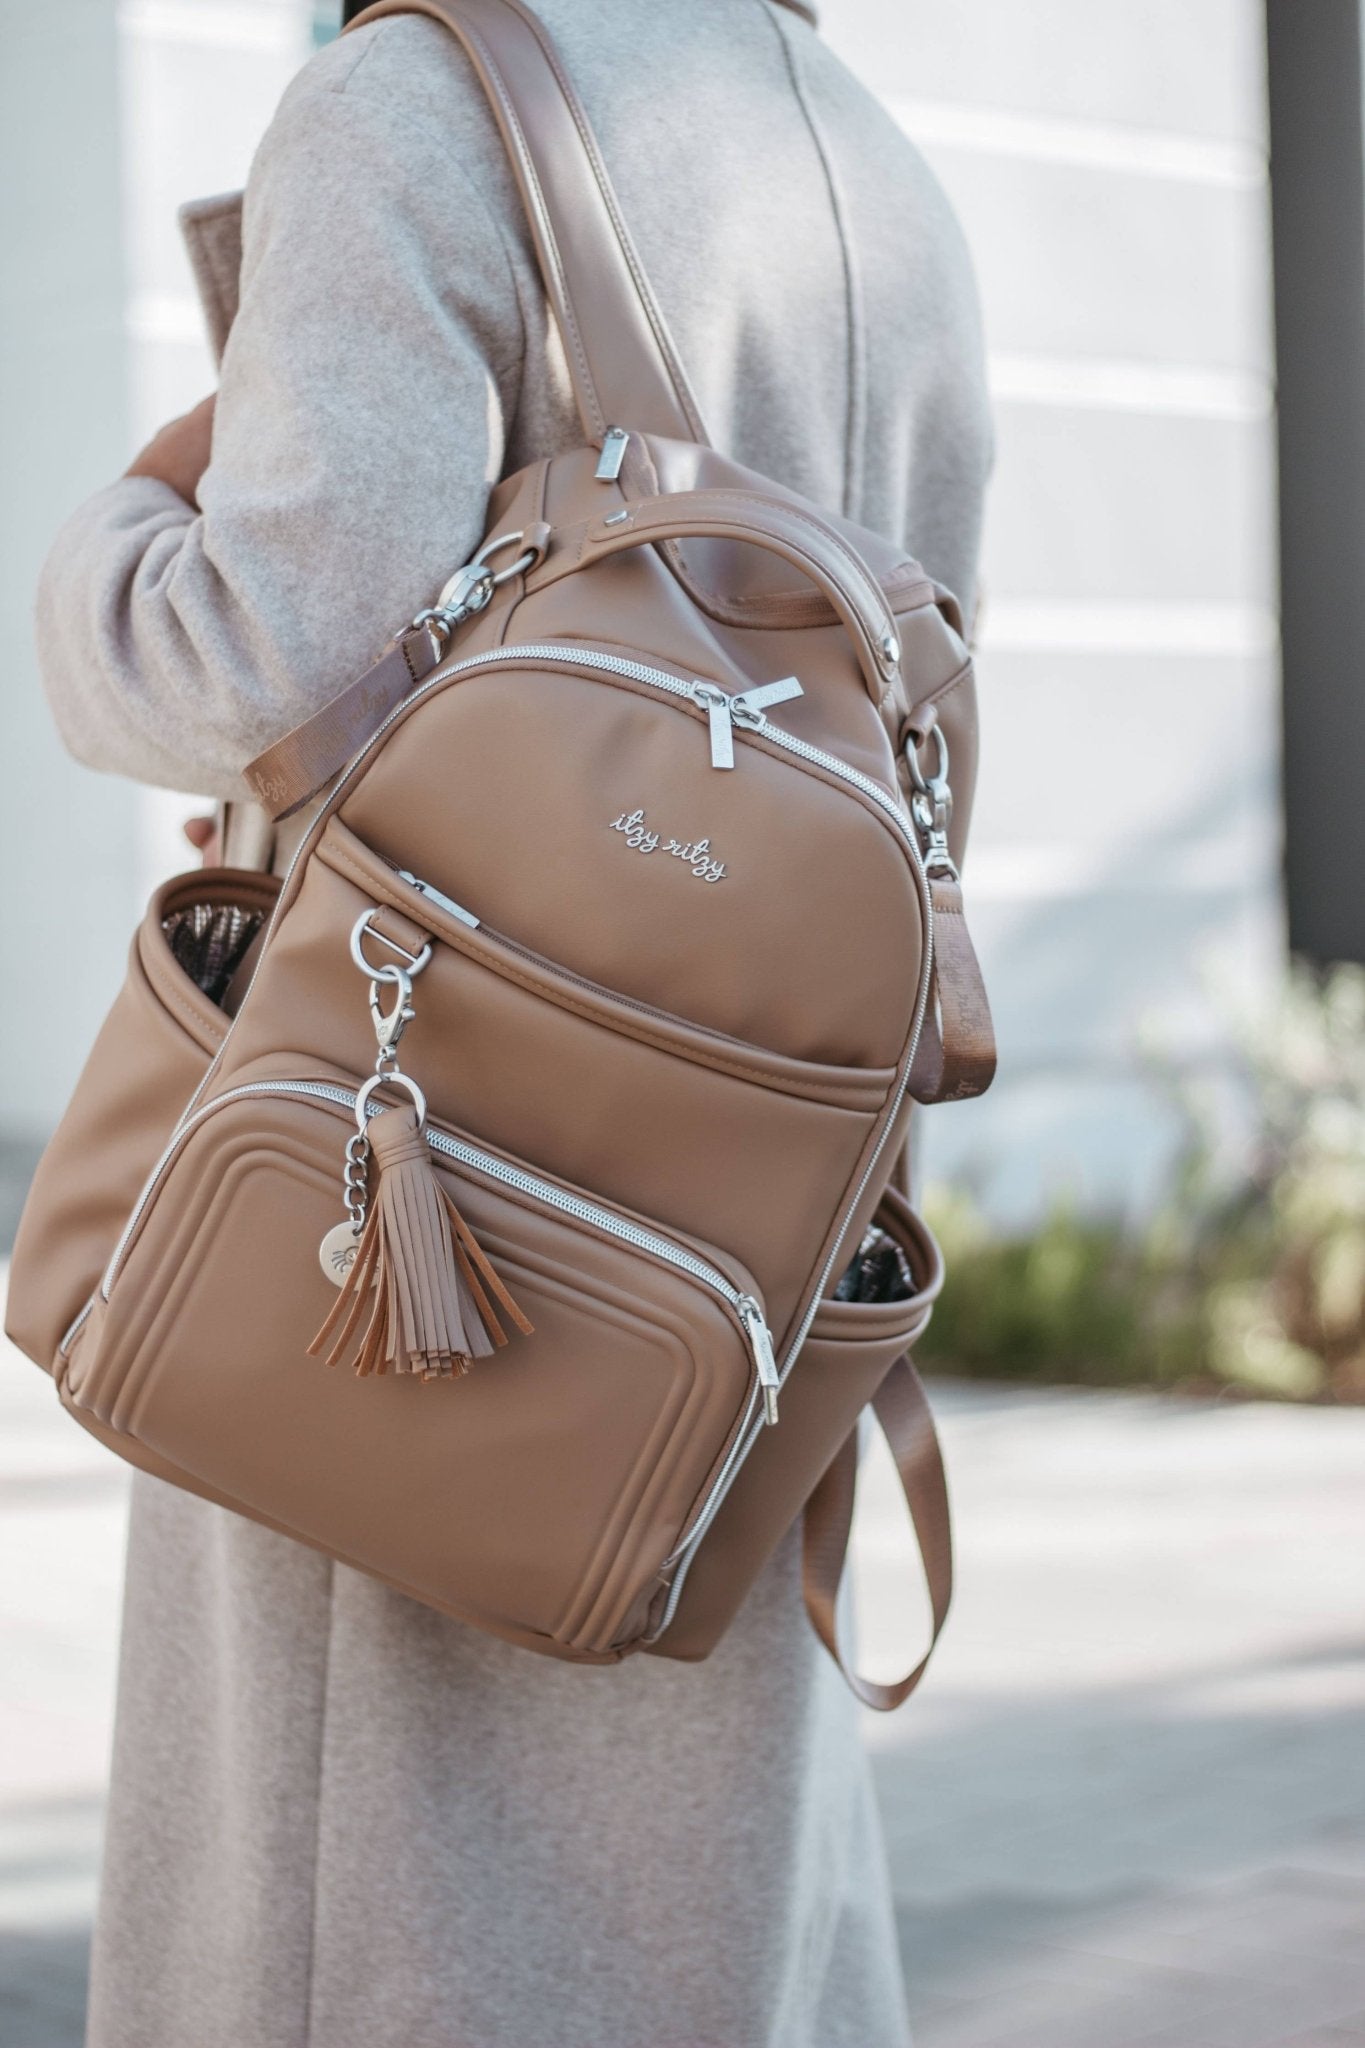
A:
[474,1157]
[457,925]
[649,1362]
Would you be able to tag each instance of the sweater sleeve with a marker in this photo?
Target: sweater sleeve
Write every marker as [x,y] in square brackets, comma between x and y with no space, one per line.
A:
[360,423]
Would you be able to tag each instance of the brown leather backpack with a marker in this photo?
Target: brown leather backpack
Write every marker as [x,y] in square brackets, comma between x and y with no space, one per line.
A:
[577,1045]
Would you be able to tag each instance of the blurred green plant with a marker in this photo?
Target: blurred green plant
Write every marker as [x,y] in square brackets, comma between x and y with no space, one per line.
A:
[1250,1273]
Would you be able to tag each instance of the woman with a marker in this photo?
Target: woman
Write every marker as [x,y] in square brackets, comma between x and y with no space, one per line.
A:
[336,1817]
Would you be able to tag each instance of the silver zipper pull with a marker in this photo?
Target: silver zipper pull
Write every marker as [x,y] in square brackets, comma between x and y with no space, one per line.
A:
[748,709]
[749,706]
[614,444]
[446,903]
[716,704]
[761,1344]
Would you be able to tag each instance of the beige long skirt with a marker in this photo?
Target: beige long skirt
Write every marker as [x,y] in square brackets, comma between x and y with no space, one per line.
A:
[338,1820]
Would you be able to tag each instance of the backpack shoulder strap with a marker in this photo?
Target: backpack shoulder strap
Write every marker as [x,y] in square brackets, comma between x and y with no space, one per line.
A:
[624,366]
[902,1408]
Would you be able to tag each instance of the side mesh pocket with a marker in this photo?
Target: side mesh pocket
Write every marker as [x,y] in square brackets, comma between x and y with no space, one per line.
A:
[152,1052]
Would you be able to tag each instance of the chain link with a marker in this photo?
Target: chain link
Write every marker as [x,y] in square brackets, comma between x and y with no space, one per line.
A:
[355,1187]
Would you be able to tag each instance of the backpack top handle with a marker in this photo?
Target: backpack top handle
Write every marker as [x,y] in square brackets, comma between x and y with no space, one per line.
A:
[622,361]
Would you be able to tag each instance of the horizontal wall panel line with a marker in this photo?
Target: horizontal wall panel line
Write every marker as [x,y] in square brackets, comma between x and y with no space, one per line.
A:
[1103,1063]
[1029,873]
[1062,627]
[1110,384]
[1084,145]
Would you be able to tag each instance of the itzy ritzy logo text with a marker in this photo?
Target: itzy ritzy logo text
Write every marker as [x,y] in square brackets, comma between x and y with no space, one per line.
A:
[696,852]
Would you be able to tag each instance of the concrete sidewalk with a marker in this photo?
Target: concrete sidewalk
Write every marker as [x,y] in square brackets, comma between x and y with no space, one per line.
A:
[1128,1806]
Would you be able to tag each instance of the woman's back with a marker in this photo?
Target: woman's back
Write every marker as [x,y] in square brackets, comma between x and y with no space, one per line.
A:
[809,268]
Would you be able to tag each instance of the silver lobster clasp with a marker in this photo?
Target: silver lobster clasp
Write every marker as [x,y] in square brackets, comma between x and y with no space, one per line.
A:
[931,804]
[389,1025]
[471,588]
[467,591]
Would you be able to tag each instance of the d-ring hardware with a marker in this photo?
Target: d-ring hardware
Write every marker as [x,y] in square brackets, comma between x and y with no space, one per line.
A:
[937,783]
[527,559]
[414,962]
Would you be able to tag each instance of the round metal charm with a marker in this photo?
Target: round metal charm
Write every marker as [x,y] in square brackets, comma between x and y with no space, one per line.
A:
[336,1253]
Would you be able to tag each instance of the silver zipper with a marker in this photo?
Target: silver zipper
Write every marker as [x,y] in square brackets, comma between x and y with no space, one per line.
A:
[893,809]
[751,1316]
[566,652]
[682,1557]
[555,971]
[74,1329]
[745,1307]
[890,806]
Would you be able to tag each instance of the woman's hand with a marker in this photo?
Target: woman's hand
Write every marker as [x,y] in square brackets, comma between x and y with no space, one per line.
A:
[178,454]
[202,834]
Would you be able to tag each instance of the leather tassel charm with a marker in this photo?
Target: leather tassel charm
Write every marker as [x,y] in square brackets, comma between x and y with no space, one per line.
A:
[432,1293]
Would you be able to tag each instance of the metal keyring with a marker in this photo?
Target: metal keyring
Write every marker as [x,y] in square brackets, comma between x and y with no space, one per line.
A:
[362,1101]
[388,972]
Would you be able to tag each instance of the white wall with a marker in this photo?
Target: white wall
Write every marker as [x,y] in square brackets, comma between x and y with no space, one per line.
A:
[1109,165]
[109,116]
[66,837]
[201,79]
